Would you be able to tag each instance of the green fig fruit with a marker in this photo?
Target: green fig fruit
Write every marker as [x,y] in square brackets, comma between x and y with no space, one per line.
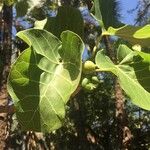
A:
[95,79]
[85,81]
[89,67]
[90,86]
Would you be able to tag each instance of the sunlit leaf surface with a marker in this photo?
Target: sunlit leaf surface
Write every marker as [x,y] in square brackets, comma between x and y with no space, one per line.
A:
[133,73]
[134,35]
[43,78]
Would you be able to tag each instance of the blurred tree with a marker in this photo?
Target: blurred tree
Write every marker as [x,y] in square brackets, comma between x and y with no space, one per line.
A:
[5,56]
[143,12]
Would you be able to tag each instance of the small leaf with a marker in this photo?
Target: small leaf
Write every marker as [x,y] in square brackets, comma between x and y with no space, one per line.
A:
[39,24]
[134,77]
[98,14]
[97,10]
[134,35]
[122,52]
[43,78]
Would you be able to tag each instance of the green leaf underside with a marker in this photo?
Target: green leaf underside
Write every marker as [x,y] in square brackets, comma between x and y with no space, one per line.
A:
[134,77]
[134,35]
[98,14]
[122,52]
[43,78]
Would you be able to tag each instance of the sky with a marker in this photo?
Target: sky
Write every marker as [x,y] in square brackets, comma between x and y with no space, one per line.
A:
[125,6]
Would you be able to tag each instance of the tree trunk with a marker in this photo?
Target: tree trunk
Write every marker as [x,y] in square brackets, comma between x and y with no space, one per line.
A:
[5,54]
[124,133]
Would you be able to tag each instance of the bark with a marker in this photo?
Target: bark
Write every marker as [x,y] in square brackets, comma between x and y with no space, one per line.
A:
[124,133]
[5,53]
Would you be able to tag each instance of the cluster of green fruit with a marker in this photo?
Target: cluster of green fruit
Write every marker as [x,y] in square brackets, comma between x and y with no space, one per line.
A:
[91,83]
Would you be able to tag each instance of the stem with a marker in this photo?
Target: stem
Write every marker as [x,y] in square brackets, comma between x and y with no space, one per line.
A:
[109,50]
[101,70]
[124,134]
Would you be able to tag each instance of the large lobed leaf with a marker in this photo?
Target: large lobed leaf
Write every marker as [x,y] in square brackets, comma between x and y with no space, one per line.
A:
[133,73]
[134,35]
[43,78]
[68,18]
[106,12]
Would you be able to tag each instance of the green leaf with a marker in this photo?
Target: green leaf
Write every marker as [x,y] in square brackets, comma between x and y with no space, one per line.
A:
[39,24]
[134,77]
[134,35]
[98,14]
[68,18]
[21,8]
[43,78]
[105,11]
[97,10]
[122,52]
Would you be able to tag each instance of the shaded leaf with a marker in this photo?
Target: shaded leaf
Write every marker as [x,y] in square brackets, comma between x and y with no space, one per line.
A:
[134,77]
[43,78]
[109,12]
[98,14]
[68,18]
[21,8]
[97,9]
[134,35]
